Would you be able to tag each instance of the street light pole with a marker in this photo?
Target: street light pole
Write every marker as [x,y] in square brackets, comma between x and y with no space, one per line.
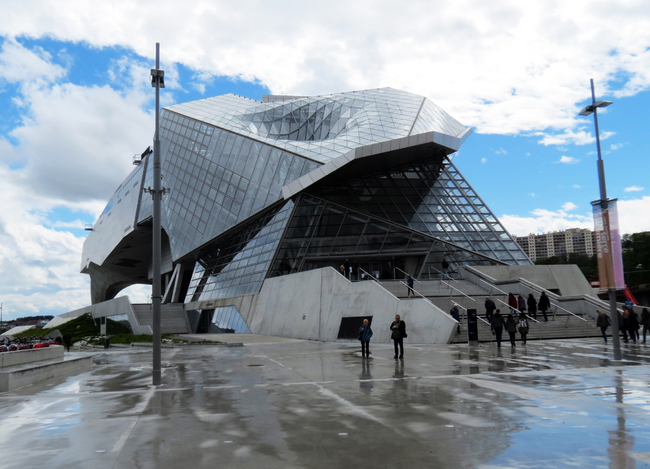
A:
[604,204]
[157,81]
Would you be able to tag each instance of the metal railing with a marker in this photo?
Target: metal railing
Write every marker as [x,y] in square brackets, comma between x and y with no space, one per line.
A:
[477,316]
[370,275]
[459,291]
[442,274]
[536,288]
[405,273]
[417,293]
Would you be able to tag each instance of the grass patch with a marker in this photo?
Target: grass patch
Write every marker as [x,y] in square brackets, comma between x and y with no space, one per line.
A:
[81,327]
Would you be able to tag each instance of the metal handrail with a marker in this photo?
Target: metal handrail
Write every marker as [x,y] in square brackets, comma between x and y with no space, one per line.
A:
[510,307]
[525,283]
[369,274]
[404,273]
[459,291]
[441,273]
[415,291]
[493,286]
[477,316]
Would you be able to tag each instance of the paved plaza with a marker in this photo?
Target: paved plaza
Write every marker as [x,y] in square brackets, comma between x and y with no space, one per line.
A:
[300,404]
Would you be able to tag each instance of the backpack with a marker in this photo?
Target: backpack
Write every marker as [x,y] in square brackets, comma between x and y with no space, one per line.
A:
[522,323]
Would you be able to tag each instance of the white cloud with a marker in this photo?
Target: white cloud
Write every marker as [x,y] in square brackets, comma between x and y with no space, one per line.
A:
[483,160]
[544,221]
[500,151]
[511,67]
[567,160]
[633,189]
[616,146]
[74,146]
[567,207]
[576,186]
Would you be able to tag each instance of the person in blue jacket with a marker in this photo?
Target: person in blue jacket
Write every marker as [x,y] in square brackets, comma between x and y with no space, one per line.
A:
[365,333]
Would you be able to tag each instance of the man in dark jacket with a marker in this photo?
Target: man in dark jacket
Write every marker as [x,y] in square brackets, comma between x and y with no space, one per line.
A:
[496,324]
[455,313]
[489,308]
[544,304]
[398,334]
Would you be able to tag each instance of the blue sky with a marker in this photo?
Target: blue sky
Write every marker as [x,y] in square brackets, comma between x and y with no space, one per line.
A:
[77,104]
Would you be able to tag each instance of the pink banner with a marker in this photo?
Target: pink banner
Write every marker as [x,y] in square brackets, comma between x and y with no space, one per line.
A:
[608,246]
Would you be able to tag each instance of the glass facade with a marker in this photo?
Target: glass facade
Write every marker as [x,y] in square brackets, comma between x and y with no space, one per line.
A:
[322,233]
[286,184]
[432,198]
[238,264]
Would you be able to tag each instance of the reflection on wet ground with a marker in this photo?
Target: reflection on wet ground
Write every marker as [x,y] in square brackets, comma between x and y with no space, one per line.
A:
[306,404]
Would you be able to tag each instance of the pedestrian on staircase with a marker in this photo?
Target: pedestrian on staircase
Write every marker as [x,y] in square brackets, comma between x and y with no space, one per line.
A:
[512,303]
[523,327]
[603,323]
[511,327]
[489,308]
[496,325]
[409,285]
[532,306]
[645,321]
[521,304]
[456,315]
[622,324]
[544,304]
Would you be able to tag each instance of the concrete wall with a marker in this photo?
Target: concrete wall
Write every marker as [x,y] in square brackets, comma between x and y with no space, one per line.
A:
[114,307]
[21,357]
[310,305]
[14,378]
[568,279]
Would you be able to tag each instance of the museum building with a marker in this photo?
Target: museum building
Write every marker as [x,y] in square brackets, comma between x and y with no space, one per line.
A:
[261,190]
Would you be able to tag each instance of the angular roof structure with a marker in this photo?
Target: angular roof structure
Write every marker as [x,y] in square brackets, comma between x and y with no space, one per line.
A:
[261,189]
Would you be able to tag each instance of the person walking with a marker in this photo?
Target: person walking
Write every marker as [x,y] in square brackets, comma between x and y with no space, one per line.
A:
[365,333]
[512,303]
[603,322]
[445,268]
[521,304]
[532,306]
[632,324]
[544,304]
[455,313]
[523,327]
[409,284]
[645,321]
[496,325]
[511,327]
[398,334]
[622,324]
[489,308]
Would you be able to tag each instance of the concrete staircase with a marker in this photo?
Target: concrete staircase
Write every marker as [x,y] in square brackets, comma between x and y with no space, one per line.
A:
[172,317]
[471,296]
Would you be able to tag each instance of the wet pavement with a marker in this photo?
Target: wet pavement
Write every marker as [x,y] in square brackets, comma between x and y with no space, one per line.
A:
[300,404]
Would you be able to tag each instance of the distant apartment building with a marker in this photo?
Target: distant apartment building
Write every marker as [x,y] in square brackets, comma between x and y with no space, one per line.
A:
[558,243]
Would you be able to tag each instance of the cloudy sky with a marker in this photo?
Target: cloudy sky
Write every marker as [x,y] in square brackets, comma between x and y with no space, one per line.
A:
[77,103]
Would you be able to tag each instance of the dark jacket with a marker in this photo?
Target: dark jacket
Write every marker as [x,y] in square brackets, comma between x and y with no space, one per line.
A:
[489,305]
[497,322]
[645,317]
[455,313]
[521,303]
[512,301]
[544,303]
[511,325]
[365,333]
[602,321]
[632,321]
[400,332]
[532,304]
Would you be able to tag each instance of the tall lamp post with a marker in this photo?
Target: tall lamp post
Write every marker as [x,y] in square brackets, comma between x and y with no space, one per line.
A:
[604,204]
[157,81]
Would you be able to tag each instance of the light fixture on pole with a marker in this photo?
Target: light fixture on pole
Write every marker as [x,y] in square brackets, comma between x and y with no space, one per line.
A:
[608,242]
[157,81]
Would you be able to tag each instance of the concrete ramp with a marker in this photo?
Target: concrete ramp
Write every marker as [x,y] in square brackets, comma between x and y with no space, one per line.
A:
[311,304]
[173,319]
